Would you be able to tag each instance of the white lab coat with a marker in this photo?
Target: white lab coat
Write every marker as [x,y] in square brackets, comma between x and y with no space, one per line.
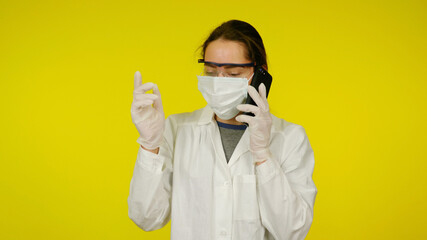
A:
[191,182]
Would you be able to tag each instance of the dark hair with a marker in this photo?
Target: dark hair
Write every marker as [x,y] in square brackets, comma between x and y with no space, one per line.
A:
[243,32]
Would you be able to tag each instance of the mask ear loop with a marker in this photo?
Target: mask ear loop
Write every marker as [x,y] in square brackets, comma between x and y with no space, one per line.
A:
[251,77]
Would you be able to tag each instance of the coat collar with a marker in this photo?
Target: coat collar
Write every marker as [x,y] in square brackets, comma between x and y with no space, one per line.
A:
[207,116]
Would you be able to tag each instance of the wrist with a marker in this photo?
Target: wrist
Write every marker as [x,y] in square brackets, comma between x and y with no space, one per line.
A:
[259,163]
[155,151]
[261,156]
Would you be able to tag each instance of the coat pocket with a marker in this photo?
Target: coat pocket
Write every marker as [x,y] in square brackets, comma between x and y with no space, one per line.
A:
[245,202]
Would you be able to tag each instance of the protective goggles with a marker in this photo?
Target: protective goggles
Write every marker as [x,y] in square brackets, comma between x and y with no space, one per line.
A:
[236,70]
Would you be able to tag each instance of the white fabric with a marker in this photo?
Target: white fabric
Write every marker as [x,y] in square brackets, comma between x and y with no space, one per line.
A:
[223,94]
[147,113]
[259,125]
[190,182]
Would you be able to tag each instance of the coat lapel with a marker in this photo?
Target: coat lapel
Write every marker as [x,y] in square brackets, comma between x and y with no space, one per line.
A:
[241,148]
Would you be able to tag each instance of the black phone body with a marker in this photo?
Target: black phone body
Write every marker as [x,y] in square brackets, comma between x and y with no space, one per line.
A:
[260,76]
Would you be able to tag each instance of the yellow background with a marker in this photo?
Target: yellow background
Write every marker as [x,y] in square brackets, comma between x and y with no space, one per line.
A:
[353,73]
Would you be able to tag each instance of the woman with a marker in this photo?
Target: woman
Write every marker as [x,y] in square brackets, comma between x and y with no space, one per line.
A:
[208,172]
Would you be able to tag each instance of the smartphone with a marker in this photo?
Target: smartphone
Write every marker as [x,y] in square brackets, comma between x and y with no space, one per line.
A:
[260,76]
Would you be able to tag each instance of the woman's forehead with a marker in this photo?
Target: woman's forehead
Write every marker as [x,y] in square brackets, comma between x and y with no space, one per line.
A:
[226,51]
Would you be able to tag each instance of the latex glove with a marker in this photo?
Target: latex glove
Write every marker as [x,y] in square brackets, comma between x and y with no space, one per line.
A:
[259,125]
[147,113]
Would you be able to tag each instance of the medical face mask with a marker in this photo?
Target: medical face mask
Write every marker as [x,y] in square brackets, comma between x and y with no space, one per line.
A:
[223,94]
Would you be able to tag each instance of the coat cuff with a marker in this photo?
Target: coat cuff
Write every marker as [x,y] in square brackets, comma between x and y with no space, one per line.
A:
[267,170]
[150,161]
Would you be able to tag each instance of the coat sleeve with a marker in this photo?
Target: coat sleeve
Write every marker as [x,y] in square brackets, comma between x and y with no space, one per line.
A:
[149,201]
[286,191]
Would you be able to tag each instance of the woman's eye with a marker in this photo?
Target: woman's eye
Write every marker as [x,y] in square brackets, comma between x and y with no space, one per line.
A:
[234,74]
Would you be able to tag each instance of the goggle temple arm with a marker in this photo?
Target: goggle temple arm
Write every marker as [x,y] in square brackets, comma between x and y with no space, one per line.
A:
[228,64]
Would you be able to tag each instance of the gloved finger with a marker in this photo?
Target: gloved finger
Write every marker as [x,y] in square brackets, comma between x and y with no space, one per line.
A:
[143,103]
[138,97]
[248,108]
[158,101]
[244,118]
[256,97]
[144,88]
[137,80]
[262,91]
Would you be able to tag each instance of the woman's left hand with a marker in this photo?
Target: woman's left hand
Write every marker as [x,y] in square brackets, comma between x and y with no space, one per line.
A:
[259,125]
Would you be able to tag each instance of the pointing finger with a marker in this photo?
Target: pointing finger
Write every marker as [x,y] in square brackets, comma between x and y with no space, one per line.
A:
[137,80]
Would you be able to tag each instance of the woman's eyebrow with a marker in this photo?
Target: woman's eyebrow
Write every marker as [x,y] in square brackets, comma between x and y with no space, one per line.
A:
[232,66]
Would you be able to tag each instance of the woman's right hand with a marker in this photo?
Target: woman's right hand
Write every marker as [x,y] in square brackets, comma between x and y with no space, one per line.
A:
[147,113]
